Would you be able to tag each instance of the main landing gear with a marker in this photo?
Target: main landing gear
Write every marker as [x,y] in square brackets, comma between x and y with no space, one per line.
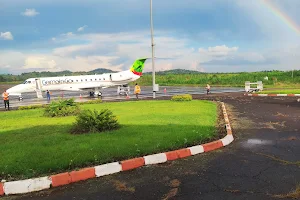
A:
[96,93]
[123,90]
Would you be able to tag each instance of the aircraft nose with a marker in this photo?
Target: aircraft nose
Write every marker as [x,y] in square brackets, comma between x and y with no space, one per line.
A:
[14,89]
[9,90]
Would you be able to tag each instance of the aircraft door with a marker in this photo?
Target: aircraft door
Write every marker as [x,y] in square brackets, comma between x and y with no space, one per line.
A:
[38,88]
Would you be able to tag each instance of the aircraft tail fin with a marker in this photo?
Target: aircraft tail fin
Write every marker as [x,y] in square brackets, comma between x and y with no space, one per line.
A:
[138,66]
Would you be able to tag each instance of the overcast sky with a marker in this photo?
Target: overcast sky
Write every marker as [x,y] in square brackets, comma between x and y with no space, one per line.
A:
[203,35]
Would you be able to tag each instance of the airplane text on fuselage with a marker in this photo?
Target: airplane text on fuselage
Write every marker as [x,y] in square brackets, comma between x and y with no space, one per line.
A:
[57,81]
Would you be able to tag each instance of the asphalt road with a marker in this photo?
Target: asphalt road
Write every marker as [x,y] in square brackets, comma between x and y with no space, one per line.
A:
[261,163]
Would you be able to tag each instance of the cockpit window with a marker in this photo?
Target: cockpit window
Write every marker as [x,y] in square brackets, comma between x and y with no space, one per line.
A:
[25,82]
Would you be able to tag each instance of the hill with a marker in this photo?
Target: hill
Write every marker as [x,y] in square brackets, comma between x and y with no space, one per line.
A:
[24,76]
[101,71]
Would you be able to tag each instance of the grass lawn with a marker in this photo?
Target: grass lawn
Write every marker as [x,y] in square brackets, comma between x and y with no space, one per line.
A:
[33,145]
[281,91]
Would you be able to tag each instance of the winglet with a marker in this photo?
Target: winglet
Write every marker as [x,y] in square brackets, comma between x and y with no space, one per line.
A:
[138,66]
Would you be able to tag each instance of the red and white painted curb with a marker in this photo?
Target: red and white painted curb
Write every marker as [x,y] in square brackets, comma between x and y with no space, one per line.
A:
[272,95]
[42,183]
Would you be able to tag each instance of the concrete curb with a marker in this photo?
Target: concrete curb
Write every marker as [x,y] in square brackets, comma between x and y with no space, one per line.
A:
[42,183]
[272,95]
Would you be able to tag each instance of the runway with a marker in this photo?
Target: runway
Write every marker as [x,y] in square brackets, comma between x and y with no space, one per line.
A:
[110,94]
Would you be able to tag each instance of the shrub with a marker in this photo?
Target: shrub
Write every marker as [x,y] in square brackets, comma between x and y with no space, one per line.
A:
[89,121]
[31,107]
[62,108]
[91,102]
[184,97]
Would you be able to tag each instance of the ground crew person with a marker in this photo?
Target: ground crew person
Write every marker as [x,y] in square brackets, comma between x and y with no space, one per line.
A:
[5,96]
[207,88]
[137,90]
[48,95]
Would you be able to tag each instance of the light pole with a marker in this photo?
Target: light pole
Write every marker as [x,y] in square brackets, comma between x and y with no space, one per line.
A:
[152,45]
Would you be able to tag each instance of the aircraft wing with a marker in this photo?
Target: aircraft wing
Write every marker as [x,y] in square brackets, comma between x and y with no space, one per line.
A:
[86,87]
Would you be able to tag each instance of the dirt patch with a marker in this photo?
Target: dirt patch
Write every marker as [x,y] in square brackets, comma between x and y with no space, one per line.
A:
[267,125]
[295,194]
[221,128]
[172,193]
[121,186]
[273,125]
[281,124]
[280,115]
[238,121]
[292,138]
[175,183]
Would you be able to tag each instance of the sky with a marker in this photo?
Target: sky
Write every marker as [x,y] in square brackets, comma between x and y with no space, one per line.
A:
[202,35]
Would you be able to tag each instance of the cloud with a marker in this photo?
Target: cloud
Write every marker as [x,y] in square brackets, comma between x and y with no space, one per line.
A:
[82,28]
[30,13]
[69,34]
[20,62]
[219,50]
[244,59]
[117,51]
[37,62]
[269,24]
[6,36]
[73,50]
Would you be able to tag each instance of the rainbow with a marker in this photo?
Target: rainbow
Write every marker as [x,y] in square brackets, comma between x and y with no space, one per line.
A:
[284,17]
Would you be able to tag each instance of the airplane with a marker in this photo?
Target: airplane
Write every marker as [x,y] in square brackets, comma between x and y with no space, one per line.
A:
[93,83]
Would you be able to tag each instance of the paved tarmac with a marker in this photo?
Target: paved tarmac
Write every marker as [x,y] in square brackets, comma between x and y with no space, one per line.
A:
[261,163]
[110,94]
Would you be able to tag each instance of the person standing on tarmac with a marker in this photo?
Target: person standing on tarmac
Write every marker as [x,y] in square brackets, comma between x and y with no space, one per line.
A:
[207,88]
[137,90]
[48,95]
[5,96]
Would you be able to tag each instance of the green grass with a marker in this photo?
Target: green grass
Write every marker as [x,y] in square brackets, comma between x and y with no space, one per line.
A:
[284,91]
[33,145]
[276,79]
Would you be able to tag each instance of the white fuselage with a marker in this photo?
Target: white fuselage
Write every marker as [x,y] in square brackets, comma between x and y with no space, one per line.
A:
[74,83]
